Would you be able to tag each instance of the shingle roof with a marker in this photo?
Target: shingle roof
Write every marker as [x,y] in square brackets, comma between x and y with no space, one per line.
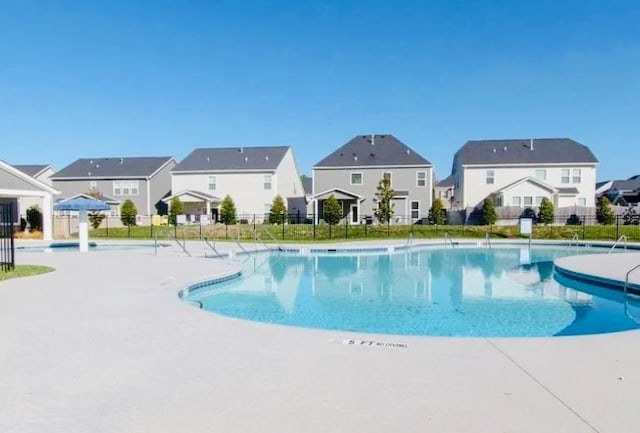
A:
[31,169]
[307,184]
[101,168]
[626,185]
[233,158]
[447,181]
[545,151]
[569,190]
[373,150]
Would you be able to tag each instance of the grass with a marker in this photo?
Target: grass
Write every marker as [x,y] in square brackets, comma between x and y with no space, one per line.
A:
[322,232]
[25,271]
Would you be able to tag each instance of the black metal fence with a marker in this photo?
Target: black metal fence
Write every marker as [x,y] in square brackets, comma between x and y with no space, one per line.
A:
[7,245]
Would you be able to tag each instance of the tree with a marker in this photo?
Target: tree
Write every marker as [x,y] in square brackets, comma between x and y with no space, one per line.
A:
[96,218]
[128,213]
[631,217]
[384,194]
[545,212]
[488,211]
[436,213]
[332,211]
[95,193]
[175,208]
[227,211]
[604,213]
[34,218]
[278,210]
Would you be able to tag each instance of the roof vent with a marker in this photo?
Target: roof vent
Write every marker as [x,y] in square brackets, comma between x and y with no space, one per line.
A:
[408,151]
[89,174]
[371,155]
[355,158]
[246,158]
[504,148]
[266,157]
[241,149]
[97,165]
[91,161]
[121,160]
[207,159]
[373,139]
[494,150]
[531,144]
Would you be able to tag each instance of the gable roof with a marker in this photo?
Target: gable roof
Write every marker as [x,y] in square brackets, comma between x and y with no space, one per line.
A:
[373,150]
[32,170]
[529,179]
[27,179]
[105,198]
[446,182]
[233,158]
[307,184]
[626,185]
[107,168]
[545,151]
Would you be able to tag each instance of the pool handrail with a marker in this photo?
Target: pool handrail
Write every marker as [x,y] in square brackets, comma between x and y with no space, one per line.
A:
[212,246]
[575,239]
[623,239]
[626,289]
[487,240]
[447,237]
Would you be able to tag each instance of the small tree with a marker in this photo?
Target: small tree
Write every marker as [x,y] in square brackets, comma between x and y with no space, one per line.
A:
[227,211]
[488,211]
[95,219]
[34,218]
[604,213]
[631,217]
[128,213]
[436,213]
[545,213]
[384,194]
[332,211]
[278,210]
[175,208]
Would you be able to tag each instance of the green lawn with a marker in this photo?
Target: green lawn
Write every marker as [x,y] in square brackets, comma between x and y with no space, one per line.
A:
[322,232]
[25,271]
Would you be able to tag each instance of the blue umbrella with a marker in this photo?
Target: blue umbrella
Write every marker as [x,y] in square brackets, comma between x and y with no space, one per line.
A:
[82,205]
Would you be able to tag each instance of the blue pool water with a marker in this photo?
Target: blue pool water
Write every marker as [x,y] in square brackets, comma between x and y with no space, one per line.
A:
[499,292]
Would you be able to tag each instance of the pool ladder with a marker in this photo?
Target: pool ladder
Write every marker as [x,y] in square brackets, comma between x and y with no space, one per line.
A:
[626,294]
[622,239]
[448,239]
[574,240]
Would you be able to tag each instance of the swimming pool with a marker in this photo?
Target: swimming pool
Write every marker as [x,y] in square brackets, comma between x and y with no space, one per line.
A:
[478,292]
[61,247]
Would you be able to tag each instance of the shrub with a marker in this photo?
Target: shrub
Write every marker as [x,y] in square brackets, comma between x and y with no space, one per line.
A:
[631,217]
[175,208]
[436,213]
[95,219]
[604,213]
[332,211]
[545,213]
[227,211]
[384,194]
[278,210]
[529,213]
[34,218]
[128,213]
[488,212]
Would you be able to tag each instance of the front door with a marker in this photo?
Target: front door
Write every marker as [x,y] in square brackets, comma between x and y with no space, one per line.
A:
[214,215]
[355,218]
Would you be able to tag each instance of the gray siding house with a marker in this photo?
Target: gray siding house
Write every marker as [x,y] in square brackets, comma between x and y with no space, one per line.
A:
[352,173]
[143,180]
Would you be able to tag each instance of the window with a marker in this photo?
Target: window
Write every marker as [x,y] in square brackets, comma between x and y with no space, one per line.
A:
[515,201]
[387,175]
[267,181]
[582,202]
[498,202]
[212,183]
[564,175]
[421,179]
[415,209]
[356,178]
[125,187]
[539,201]
[490,177]
[541,174]
[528,201]
[577,175]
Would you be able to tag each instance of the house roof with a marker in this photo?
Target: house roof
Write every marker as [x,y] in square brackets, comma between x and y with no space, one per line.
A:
[104,168]
[195,194]
[626,185]
[233,158]
[30,180]
[545,151]
[32,169]
[568,191]
[529,179]
[338,193]
[373,150]
[446,182]
[105,198]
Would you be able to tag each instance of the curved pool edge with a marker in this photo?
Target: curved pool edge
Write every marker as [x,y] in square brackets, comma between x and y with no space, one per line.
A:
[208,281]
[608,270]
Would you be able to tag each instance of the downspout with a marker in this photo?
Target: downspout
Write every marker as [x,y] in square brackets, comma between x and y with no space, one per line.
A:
[148,196]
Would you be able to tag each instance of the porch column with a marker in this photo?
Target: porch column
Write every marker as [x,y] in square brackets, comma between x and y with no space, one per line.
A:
[315,210]
[47,218]
[359,214]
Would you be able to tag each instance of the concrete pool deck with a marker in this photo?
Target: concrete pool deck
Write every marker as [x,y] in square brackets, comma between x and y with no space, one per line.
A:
[104,345]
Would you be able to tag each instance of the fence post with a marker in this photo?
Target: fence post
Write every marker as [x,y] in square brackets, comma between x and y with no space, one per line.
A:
[617,226]
[107,227]
[388,227]
[151,229]
[314,226]
[283,218]
[346,228]
[584,230]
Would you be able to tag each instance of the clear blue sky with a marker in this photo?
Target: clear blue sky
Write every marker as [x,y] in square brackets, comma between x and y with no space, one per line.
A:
[127,78]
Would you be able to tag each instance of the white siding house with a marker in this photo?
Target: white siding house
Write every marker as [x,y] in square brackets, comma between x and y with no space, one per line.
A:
[41,172]
[251,176]
[519,173]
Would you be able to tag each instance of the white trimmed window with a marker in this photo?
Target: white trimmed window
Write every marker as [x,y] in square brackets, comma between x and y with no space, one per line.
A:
[421,179]
[539,201]
[491,177]
[356,178]
[582,201]
[125,187]
[577,175]
[212,183]
[516,201]
[267,181]
[541,174]
[528,201]
[565,175]
[415,209]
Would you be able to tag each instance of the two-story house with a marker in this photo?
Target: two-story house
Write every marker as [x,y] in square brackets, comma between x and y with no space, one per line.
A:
[353,172]
[520,173]
[251,176]
[621,192]
[144,180]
